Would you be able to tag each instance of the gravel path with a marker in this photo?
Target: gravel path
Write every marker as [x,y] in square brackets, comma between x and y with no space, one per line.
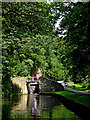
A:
[76,91]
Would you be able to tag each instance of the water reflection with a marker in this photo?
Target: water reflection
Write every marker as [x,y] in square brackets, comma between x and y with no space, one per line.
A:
[33,105]
[20,106]
[39,106]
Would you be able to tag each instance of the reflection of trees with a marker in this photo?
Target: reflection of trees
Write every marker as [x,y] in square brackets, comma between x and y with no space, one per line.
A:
[6,111]
[48,102]
[35,105]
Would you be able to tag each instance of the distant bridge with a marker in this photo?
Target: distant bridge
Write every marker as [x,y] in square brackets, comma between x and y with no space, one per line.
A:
[31,79]
[35,85]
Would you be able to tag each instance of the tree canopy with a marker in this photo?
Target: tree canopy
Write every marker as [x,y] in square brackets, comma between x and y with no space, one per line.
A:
[31,41]
[74,27]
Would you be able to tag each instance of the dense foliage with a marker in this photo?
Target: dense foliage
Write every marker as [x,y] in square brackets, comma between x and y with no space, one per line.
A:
[30,41]
[74,27]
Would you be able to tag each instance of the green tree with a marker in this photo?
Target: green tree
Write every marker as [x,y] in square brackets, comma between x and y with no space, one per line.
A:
[21,21]
[75,20]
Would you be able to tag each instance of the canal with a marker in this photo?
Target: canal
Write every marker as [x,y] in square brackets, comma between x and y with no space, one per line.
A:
[34,107]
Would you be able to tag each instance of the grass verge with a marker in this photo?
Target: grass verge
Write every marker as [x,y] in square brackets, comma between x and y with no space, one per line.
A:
[76,97]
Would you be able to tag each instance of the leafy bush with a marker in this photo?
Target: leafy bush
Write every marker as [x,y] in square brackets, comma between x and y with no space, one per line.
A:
[16,90]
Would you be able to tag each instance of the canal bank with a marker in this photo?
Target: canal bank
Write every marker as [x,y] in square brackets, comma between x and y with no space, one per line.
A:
[80,109]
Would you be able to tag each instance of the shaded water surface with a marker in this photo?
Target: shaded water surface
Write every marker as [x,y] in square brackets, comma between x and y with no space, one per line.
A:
[36,106]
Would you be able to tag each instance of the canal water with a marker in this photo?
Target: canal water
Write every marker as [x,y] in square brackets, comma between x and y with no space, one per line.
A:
[36,107]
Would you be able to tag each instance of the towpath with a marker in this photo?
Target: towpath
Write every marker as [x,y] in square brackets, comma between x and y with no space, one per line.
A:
[76,91]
